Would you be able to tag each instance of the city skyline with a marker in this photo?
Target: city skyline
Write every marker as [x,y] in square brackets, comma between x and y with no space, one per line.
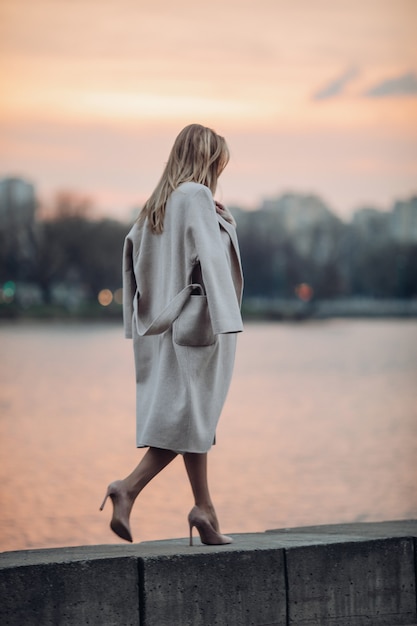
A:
[312,97]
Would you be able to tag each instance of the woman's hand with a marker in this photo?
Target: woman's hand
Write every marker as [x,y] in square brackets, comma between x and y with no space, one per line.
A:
[225,213]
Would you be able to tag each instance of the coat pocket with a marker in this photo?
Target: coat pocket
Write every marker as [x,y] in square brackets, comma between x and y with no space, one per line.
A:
[193,326]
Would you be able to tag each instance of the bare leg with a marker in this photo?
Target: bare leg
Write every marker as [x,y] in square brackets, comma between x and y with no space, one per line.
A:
[202,516]
[196,466]
[123,493]
[151,464]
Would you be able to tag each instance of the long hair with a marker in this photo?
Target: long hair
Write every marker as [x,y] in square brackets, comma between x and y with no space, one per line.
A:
[198,155]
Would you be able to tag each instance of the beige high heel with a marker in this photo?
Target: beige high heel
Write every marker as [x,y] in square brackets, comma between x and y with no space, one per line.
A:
[208,535]
[121,511]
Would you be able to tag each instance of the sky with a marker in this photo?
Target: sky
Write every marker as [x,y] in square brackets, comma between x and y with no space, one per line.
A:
[313,96]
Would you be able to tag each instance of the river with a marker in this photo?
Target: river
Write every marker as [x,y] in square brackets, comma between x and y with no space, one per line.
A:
[320,426]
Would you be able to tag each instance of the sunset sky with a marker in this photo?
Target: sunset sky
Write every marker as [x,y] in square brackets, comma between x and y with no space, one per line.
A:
[312,95]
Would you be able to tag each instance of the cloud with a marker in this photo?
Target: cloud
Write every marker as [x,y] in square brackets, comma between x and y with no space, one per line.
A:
[336,86]
[404,85]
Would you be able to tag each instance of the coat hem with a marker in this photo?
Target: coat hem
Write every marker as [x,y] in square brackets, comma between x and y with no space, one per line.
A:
[163,447]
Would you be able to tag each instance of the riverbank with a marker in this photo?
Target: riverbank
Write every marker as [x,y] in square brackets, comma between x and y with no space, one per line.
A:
[295,309]
[341,575]
[277,309]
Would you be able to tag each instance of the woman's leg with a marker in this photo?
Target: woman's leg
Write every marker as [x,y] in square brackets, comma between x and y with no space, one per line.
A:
[196,466]
[151,464]
[123,493]
[202,516]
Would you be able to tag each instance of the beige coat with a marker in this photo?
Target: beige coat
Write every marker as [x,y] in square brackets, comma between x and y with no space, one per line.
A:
[182,293]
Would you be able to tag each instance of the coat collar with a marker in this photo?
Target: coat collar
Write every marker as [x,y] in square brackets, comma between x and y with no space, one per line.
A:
[231,230]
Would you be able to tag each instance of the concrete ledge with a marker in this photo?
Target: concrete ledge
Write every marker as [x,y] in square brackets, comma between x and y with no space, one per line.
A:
[341,575]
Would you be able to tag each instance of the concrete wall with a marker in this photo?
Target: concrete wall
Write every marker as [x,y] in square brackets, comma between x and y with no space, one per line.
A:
[353,575]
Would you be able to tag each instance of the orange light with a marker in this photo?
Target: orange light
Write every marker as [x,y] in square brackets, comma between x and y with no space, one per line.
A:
[105,297]
[304,292]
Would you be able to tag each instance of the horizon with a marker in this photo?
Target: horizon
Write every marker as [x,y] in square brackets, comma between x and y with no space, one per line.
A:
[44,207]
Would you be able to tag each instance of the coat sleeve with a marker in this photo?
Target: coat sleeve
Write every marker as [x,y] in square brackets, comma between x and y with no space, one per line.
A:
[222,301]
[129,287]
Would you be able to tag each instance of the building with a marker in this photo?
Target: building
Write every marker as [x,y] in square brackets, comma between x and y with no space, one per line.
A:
[403,221]
[17,202]
[17,228]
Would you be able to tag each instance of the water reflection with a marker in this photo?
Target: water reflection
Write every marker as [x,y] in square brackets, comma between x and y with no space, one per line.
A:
[319,427]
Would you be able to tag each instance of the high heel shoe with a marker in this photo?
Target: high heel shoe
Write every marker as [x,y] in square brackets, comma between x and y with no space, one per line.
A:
[121,511]
[208,535]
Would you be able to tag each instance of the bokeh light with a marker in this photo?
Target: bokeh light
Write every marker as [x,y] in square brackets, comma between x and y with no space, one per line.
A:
[304,291]
[105,297]
[8,292]
[118,296]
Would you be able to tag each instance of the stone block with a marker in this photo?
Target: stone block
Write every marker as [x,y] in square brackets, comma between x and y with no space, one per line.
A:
[101,592]
[366,583]
[231,588]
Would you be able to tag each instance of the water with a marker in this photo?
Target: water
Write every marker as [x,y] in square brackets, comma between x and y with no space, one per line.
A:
[319,427]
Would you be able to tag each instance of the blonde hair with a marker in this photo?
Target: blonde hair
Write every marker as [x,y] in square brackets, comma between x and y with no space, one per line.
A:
[198,155]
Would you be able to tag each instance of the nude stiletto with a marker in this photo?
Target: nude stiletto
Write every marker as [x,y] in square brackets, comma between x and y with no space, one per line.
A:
[208,535]
[121,510]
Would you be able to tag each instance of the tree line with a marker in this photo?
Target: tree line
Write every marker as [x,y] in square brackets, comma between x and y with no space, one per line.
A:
[67,246]
[336,259]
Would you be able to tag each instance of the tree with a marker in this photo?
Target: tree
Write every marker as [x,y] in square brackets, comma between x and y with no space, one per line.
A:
[76,250]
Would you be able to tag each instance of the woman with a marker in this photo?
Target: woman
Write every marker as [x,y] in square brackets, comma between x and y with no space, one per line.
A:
[182,287]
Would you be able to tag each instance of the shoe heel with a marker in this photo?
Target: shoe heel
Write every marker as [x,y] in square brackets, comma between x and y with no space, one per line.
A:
[104,501]
[191,534]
